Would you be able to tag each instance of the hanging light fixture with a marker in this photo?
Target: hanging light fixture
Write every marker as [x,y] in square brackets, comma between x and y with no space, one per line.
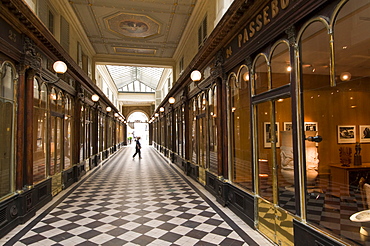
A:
[161,109]
[108,109]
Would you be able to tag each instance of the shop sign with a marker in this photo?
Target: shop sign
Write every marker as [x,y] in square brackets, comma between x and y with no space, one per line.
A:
[263,19]
[10,35]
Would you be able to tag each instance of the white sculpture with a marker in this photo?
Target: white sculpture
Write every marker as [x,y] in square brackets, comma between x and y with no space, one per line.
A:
[286,154]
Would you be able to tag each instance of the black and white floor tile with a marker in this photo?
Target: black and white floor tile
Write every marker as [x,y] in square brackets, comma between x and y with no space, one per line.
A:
[133,202]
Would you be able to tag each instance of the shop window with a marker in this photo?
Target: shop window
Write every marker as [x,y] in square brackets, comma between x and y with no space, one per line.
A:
[193,137]
[202,129]
[261,82]
[267,135]
[163,131]
[337,111]
[183,129]
[318,111]
[169,130]
[284,155]
[212,116]
[7,110]
[53,100]
[82,133]
[68,133]
[39,131]
[241,136]
[280,66]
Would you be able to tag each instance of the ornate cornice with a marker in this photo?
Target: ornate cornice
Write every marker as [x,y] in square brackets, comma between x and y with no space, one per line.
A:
[18,14]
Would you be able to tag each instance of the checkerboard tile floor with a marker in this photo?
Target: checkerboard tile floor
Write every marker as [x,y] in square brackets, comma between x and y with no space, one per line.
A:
[332,213]
[132,202]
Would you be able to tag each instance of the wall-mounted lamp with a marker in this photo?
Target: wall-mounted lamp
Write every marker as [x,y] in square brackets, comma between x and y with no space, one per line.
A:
[116,114]
[95,98]
[161,109]
[60,68]
[108,109]
[171,100]
[195,76]
[156,114]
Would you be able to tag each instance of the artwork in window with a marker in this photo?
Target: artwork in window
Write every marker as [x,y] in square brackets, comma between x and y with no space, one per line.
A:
[288,126]
[267,134]
[311,126]
[346,134]
[364,133]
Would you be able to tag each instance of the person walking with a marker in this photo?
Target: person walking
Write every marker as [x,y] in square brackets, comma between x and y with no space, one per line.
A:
[137,148]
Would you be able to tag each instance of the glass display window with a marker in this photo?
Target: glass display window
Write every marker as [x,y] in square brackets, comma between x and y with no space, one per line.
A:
[8,82]
[336,122]
[240,93]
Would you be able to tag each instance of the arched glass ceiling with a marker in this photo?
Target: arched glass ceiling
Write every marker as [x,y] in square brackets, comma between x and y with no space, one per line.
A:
[135,79]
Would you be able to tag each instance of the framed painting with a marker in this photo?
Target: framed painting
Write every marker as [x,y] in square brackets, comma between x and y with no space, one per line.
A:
[346,134]
[267,134]
[364,133]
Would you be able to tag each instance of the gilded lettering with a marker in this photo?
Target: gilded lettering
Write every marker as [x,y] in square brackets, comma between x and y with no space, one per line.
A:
[266,18]
[229,52]
[240,38]
[246,37]
[284,4]
[251,29]
[259,22]
[274,8]
[12,36]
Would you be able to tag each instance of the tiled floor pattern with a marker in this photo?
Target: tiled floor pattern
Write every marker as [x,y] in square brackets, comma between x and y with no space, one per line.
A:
[133,202]
[332,213]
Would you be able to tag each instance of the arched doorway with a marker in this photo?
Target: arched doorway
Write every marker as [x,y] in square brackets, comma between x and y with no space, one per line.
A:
[138,127]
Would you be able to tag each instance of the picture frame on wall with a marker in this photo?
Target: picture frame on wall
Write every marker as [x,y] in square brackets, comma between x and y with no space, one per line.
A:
[346,134]
[288,126]
[267,136]
[311,126]
[364,133]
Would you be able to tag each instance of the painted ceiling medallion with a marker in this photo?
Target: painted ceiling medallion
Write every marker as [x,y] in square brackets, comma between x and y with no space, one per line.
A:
[133,25]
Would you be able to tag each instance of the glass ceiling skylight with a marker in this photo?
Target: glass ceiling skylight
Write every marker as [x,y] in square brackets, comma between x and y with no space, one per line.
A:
[135,79]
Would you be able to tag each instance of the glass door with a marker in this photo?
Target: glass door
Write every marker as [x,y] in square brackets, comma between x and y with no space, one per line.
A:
[202,148]
[274,162]
[55,154]
[202,133]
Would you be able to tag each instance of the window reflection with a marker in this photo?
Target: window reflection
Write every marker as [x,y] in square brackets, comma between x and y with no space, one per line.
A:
[7,108]
[334,192]
[39,132]
[241,136]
